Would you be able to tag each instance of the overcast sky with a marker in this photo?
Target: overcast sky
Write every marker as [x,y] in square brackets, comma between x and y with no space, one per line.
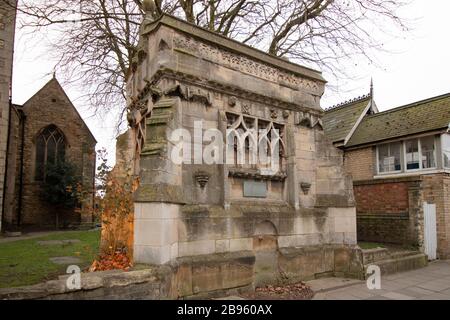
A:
[416,67]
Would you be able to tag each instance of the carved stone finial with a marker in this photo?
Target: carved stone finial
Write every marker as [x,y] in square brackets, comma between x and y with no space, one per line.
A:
[149,7]
[202,178]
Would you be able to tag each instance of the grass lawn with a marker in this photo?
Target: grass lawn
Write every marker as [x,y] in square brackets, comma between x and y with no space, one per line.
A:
[370,245]
[25,262]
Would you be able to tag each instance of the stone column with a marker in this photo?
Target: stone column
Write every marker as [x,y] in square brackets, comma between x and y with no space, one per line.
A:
[7,31]
[160,195]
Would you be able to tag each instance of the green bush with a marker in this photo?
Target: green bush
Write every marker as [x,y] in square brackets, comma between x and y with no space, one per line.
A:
[61,185]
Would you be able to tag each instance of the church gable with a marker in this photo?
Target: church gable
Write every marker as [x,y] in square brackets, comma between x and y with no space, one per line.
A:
[51,105]
[51,130]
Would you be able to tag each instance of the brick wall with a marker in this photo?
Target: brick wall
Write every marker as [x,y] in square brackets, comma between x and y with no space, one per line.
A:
[360,163]
[436,190]
[391,210]
[388,210]
[385,198]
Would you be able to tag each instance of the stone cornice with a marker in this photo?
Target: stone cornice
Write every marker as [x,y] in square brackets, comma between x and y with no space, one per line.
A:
[195,82]
[232,45]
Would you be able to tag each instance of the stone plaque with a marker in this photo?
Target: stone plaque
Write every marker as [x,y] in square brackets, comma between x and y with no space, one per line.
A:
[255,189]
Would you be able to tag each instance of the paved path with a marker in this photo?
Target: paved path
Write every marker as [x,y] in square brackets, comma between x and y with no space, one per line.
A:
[32,235]
[429,283]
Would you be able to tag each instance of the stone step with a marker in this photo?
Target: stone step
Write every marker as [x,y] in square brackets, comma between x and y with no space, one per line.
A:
[372,255]
[400,264]
[401,254]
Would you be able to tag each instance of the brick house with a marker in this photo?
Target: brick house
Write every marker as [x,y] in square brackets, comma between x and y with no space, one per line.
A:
[399,160]
[46,129]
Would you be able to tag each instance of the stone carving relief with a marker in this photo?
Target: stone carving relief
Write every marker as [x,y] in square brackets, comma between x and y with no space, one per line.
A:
[232,101]
[137,120]
[242,63]
[273,113]
[308,120]
[202,95]
[202,178]
[254,142]
[305,186]
[246,108]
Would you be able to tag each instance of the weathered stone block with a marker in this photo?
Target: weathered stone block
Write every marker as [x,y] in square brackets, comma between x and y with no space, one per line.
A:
[241,244]
[194,248]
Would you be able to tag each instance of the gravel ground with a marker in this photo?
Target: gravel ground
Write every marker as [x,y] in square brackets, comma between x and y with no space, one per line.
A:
[298,291]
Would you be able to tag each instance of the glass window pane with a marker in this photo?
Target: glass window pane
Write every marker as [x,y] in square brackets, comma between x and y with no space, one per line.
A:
[428,152]
[40,158]
[51,151]
[61,151]
[395,153]
[383,154]
[446,149]
[389,157]
[412,154]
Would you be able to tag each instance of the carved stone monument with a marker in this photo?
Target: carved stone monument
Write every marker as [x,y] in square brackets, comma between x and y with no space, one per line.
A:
[226,224]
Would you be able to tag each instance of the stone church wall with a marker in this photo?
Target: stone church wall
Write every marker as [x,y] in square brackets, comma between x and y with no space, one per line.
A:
[7,31]
[50,106]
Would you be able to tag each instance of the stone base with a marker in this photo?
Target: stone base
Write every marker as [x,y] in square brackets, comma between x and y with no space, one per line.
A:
[201,277]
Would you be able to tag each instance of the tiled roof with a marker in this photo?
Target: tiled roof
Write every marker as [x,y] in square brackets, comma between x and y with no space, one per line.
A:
[422,116]
[338,121]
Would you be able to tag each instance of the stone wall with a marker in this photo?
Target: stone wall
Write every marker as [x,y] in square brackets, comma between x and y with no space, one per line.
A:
[200,277]
[7,32]
[50,106]
[186,76]
[229,225]
[109,285]
[10,217]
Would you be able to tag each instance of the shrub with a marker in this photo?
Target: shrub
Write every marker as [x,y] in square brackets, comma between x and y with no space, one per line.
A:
[61,185]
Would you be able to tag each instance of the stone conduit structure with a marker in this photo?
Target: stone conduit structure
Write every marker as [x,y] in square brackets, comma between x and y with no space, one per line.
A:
[225,226]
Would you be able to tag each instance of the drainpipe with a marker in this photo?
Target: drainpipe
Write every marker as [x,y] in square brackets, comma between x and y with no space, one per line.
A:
[22,147]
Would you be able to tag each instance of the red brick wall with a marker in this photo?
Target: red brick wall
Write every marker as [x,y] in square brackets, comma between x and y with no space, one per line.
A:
[388,211]
[382,198]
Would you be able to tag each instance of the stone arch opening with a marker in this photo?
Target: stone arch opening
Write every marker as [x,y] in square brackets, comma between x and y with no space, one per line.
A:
[265,248]
[265,237]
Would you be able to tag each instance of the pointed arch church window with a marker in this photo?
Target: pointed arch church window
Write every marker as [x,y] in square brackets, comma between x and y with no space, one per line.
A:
[50,149]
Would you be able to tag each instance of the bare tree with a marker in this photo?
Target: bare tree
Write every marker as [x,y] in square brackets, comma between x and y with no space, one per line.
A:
[95,40]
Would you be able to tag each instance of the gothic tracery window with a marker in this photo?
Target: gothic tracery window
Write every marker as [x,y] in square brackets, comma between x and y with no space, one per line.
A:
[50,149]
[255,143]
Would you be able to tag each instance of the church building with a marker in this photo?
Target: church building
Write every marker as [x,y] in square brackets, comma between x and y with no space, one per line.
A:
[45,131]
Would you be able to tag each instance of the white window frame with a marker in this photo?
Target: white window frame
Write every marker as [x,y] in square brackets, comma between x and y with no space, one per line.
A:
[419,144]
[404,155]
[404,167]
[442,150]
[434,153]
[378,160]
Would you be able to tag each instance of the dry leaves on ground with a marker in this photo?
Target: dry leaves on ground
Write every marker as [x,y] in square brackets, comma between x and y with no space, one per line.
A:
[298,291]
[116,261]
